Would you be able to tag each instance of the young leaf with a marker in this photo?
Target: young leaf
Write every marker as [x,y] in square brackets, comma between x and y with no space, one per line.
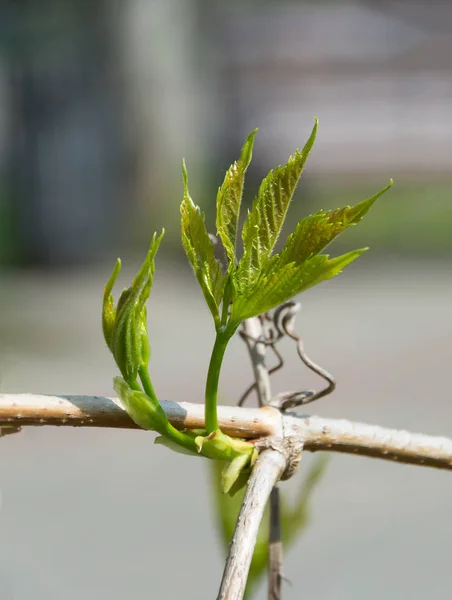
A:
[125,328]
[235,471]
[108,309]
[299,266]
[265,221]
[219,446]
[229,198]
[315,232]
[200,252]
[277,287]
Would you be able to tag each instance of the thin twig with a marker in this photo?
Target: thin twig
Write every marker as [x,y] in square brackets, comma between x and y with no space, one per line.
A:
[275,547]
[102,411]
[340,435]
[268,469]
[318,433]
[254,331]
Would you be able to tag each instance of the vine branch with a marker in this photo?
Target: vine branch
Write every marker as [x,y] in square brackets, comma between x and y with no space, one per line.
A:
[265,474]
[317,433]
[253,332]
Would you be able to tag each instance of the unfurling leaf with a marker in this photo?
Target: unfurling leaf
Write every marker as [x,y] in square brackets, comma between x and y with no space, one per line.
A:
[265,221]
[219,446]
[200,252]
[124,327]
[315,232]
[279,286]
[229,198]
[298,266]
[236,471]
[108,309]
[262,280]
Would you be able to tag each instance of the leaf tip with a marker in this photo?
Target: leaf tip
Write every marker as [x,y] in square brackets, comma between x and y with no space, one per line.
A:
[184,173]
[313,135]
[388,187]
[117,269]
[112,279]
[247,150]
[186,200]
[310,143]
[360,251]
[160,237]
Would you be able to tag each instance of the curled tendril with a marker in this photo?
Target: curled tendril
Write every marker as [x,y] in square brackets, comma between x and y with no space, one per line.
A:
[275,326]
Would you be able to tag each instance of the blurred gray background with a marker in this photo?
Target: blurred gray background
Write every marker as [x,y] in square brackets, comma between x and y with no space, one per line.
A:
[99,102]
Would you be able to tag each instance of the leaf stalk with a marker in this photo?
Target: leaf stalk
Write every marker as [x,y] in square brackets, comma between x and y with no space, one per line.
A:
[222,338]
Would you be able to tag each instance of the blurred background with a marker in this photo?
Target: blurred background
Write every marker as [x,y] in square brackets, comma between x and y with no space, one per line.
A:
[99,102]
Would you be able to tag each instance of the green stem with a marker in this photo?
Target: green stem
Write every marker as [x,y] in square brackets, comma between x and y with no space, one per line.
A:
[213,377]
[168,430]
[134,385]
[146,382]
[180,438]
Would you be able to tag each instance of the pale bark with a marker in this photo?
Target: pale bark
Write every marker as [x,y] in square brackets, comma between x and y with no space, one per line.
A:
[102,411]
[275,547]
[253,330]
[317,433]
[266,473]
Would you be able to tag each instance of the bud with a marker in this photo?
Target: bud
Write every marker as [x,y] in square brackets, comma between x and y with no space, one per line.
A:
[124,327]
[141,408]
